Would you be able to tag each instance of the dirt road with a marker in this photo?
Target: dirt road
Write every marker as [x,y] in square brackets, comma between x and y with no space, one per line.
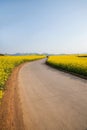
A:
[52,100]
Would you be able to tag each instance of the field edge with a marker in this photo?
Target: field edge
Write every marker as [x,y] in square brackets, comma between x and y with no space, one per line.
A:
[66,71]
[10,109]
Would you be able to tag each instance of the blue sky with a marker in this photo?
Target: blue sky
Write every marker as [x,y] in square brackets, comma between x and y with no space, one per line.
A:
[52,26]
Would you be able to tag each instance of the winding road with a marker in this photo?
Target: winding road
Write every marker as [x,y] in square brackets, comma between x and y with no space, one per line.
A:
[51,99]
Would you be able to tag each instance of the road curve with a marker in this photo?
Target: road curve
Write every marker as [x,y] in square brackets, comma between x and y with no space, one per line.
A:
[51,99]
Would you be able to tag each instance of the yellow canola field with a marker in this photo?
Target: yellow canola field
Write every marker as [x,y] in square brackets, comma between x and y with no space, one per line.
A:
[72,63]
[7,63]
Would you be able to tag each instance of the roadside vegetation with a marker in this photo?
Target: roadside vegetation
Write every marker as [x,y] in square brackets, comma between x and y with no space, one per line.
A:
[76,64]
[8,63]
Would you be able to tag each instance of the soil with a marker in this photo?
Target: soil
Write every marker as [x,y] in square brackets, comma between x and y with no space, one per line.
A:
[10,108]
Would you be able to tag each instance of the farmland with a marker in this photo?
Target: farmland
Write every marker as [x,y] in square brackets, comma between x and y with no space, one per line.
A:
[7,64]
[36,85]
[72,63]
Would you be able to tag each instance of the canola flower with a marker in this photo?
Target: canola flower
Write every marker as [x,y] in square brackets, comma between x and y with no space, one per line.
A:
[7,63]
[1,95]
[71,63]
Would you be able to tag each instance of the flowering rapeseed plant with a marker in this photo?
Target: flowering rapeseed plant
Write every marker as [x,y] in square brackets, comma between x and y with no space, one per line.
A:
[72,63]
[7,63]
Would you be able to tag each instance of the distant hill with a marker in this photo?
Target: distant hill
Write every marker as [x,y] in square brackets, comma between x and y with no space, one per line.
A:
[1,54]
[20,54]
[30,53]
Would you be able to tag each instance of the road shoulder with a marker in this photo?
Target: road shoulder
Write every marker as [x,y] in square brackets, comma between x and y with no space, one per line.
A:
[10,109]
